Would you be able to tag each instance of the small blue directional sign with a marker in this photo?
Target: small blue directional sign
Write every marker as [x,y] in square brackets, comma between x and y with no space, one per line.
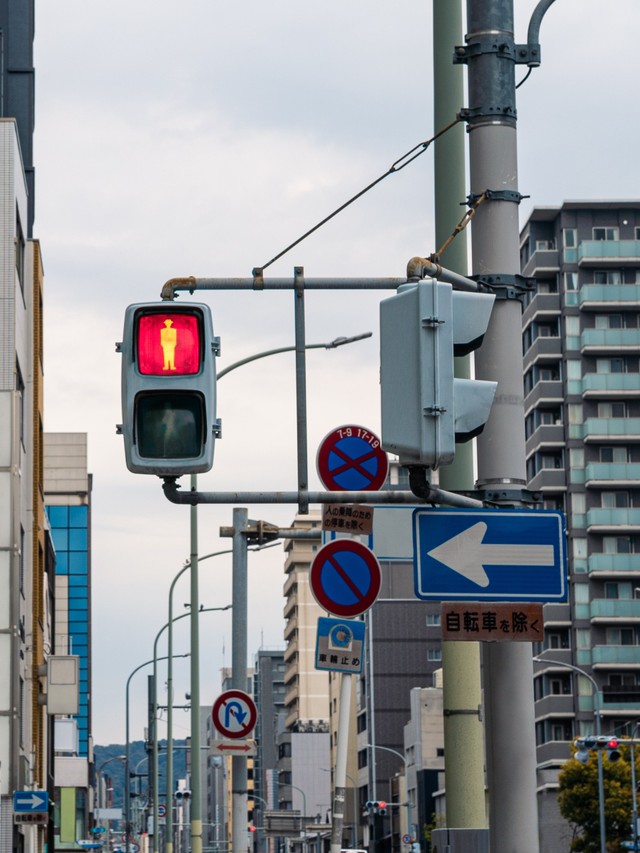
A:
[30,801]
[489,555]
[340,645]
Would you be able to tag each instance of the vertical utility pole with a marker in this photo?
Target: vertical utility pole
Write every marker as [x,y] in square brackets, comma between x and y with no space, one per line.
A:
[508,667]
[463,734]
[196,798]
[239,672]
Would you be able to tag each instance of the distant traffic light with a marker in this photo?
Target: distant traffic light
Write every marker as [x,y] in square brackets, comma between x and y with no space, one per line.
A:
[377,806]
[425,410]
[182,795]
[169,388]
[613,751]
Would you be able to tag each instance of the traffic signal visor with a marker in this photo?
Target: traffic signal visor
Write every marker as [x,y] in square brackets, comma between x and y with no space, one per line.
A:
[169,388]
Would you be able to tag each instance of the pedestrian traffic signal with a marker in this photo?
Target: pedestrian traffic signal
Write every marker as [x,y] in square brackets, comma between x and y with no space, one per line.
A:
[169,388]
[425,410]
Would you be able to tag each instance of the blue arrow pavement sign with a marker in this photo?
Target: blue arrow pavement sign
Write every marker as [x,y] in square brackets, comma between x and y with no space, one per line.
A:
[490,555]
[30,801]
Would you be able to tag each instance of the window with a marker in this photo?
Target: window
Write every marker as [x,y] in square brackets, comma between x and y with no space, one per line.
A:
[607,277]
[612,410]
[621,590]
[615,500]
[576,458]
[610,365]
[578,503]
[434,654]
[614,454]
[433,620]
[606,233]
[572,325]
[362,758]
[609,321]
[621,637]
[19,251]
[545,245]
[20,401]
[557,640]
[569,238]
[617,545]
[575,413]
[583,638]
[571,281]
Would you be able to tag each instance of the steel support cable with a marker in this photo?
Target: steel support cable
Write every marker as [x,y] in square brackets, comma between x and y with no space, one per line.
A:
[397,166]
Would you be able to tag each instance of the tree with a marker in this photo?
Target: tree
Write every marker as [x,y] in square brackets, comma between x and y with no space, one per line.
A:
[578,801]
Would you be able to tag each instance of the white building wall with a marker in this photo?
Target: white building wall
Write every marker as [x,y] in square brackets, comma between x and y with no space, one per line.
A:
[15,470]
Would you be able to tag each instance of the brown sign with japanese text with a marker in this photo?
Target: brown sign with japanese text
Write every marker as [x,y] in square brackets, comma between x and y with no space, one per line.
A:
[487,621]
[356,519]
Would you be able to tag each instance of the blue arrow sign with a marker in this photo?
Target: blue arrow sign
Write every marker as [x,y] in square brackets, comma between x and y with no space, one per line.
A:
[490,555]
[30,801]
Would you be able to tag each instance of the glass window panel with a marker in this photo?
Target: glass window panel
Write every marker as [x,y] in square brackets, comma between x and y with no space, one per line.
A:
[60,536]
[77,562]
[77,539]
[78,516]
[58,515]
[62,563]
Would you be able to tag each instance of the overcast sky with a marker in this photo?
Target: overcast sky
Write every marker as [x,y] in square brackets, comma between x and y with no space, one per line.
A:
[201,138]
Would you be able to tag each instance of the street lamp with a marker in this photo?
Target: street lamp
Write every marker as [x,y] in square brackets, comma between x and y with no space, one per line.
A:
[99,772]
[154,705]
[127,795]
[597,713]
[304,814]
[407,803]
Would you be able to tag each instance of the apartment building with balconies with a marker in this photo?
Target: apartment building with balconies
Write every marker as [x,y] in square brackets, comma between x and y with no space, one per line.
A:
[581,340]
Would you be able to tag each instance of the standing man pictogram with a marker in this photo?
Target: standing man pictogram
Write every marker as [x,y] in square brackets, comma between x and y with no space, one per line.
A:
[168,342]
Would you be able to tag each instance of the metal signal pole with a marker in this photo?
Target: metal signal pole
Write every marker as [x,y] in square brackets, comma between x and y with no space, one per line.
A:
[491,55]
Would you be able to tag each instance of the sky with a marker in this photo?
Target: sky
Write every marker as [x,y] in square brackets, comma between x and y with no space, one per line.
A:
[202,138]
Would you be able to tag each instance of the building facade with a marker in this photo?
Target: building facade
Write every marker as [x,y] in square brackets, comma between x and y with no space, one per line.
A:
[67,486]
[581,338]
[25,552]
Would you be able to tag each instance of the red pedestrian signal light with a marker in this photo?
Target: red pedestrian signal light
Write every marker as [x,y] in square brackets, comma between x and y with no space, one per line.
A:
[169,388]
[168,343]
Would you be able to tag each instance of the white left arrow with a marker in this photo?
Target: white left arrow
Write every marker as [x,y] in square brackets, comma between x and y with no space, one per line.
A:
[467,555]
[34,800]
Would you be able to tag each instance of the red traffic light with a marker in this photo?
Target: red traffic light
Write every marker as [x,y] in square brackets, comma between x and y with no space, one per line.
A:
[252,828]
[382,804]
[168,343]
[613,743]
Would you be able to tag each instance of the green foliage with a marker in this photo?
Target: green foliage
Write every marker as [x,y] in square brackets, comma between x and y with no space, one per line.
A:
[579,804]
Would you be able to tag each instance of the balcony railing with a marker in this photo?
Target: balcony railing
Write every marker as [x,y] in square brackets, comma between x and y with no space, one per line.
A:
[609,430]
[604,340]
[601,474]
[615,519]
[619,252]
[618,656]
[618,384]
[610,296]
[613,563]
[609,610]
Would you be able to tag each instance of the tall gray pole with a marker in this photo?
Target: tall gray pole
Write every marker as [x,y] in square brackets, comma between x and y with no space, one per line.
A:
[239,673]
[196,799]
[508,667]
[463,734]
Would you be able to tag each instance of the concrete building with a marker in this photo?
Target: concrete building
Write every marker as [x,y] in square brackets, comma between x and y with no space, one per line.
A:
[581,340]
[303,748]
[67,486]
[26,583]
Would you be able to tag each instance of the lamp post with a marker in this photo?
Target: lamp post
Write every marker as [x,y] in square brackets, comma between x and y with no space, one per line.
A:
[154,708]
[304,815]
[407,804]
[127,795]
[597,712]
[170,656]
[99,772]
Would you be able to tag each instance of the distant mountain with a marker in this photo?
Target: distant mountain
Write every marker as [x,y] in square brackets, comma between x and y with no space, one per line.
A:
[139,760]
